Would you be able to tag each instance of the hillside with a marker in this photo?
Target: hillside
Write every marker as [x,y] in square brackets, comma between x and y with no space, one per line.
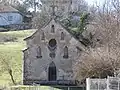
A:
[11,45]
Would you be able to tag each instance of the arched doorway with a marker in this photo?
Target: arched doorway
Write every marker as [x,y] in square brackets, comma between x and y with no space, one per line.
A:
[52,74]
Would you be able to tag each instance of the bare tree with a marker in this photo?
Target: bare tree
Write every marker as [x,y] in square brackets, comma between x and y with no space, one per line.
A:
[40,19]
[103,58]
[97,63]
[7,66]
[10,2]
[35,4]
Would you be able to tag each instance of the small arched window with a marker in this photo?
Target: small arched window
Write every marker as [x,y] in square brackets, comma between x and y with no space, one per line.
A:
[62,36]
[43,36]
[52,29]
[39,55]
[65,52]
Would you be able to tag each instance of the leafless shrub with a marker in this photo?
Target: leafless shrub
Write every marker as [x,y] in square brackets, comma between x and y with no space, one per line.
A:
[39,20]
[7,38]
[104,58]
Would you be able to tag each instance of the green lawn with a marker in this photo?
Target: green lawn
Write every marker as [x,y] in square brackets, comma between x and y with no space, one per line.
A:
[34,88]
[12,53]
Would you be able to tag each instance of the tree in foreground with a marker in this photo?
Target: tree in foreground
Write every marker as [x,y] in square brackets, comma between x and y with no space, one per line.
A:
[97,63]
[7,63]
[102,57]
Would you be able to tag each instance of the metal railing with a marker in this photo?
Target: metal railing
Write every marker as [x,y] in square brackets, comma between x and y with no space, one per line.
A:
[110,83]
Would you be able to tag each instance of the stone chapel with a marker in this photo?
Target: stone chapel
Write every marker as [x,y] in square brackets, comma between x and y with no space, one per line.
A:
[50,54]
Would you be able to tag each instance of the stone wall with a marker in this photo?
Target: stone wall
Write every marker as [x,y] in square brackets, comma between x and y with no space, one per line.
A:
[37,67]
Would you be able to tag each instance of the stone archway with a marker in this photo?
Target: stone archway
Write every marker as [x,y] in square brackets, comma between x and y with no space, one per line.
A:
[52,73]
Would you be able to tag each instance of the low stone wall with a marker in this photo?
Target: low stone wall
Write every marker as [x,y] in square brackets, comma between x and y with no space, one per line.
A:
[44,82]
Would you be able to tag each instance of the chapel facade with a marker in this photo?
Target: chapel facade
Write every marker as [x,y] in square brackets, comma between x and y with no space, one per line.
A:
[50,54]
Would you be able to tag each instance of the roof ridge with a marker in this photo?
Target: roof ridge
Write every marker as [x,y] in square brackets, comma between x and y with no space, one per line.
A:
[67,29]
[38,29]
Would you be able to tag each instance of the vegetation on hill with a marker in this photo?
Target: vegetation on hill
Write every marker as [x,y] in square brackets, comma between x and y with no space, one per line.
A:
[102,57]
[101,38]
[11,45]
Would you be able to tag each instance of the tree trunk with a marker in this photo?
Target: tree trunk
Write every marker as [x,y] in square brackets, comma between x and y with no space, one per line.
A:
[11,75]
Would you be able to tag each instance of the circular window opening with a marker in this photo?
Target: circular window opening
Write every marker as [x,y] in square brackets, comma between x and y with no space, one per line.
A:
[52,43]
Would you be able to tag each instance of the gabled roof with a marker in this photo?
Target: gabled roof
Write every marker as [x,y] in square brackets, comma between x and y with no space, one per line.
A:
[37,30]
[58,23]
[46,25]
[7,8]
[62,26]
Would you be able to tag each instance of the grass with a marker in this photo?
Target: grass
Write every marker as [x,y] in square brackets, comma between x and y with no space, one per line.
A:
[34,88]
[12,52]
